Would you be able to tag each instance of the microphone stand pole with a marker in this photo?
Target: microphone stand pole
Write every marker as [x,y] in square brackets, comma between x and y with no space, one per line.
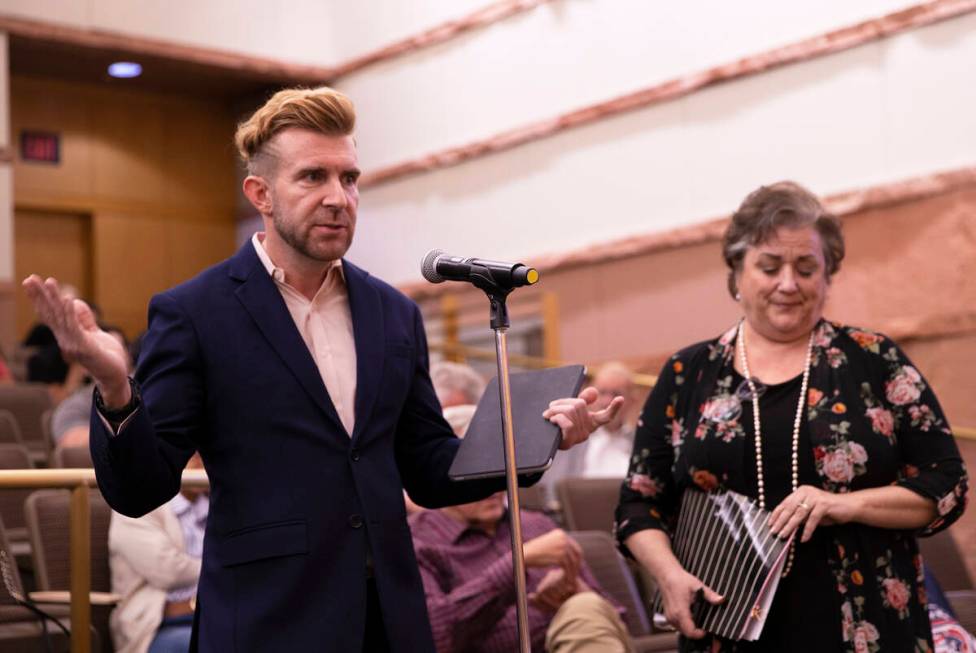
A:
[500,324]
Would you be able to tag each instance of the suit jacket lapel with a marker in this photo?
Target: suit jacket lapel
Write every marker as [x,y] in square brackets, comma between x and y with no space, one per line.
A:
[367,325]
[262,299]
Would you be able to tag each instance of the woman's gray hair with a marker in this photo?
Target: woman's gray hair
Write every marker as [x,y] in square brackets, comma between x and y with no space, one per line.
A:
[766,209]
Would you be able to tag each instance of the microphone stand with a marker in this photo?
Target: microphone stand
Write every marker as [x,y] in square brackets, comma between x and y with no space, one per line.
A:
[499,324]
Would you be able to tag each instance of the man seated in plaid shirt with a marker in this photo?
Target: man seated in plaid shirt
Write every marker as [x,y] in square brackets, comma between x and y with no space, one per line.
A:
[464,553]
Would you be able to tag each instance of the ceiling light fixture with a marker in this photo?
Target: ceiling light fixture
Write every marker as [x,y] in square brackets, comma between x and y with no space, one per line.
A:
[125,69]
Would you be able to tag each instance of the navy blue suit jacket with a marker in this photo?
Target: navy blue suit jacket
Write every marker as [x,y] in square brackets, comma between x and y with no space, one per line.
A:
[295,502]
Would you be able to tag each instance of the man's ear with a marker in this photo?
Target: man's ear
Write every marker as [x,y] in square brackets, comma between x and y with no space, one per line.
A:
[258,192]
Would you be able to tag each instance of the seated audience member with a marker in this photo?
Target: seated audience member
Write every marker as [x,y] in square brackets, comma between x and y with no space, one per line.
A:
[459,417]
[948,635]
[155,564]
[69,422]
[456,384]
[458,388]
[607,453]
[464,553]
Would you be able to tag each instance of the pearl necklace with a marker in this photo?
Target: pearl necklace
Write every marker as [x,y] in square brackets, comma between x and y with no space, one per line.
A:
[795,460]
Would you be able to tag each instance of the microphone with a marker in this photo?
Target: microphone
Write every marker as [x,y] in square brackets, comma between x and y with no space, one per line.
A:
[439,266]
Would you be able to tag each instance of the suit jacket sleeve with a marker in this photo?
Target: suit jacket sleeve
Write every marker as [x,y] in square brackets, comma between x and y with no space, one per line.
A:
[140,468]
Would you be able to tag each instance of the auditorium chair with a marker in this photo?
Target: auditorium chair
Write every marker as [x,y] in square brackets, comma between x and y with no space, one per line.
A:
[943,559]
[532,498]
[612,573]
[9,430]
[72,457]
[21,629]
[48,523]
[17,362]
[15,456]
[588,504]
[28,403]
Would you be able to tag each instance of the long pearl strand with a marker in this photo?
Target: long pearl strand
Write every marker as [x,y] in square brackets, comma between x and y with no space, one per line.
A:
[795,459]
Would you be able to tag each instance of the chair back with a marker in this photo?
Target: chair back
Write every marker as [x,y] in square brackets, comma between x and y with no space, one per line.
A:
[942,557]
[612,573]
[9,430]
[588,504]
[14,456]
[27,402]
[10,582]
[532,498]
[72,457]
[17,362]
[48,515]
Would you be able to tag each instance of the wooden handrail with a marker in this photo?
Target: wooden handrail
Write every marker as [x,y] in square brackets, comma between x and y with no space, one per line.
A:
[69,478]
[78,481]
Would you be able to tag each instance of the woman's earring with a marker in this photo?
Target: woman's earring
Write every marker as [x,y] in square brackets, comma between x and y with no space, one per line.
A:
[738,297]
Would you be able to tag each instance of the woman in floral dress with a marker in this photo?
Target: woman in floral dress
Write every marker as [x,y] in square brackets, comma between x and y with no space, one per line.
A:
[854,453]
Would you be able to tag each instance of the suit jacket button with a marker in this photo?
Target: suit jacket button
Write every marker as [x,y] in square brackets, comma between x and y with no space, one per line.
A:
[356,521]
[355,455]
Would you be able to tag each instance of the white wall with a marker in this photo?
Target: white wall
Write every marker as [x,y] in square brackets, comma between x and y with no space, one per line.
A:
[882,112]
[564,55]
[885,111]
[319,32]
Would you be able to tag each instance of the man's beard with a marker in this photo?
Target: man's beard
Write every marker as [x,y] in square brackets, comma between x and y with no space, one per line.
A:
[301,242]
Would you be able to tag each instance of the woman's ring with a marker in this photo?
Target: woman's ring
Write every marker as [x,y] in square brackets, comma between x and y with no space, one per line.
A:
[803,505]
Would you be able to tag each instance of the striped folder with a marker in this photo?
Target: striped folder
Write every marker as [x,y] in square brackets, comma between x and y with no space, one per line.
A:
[724,540]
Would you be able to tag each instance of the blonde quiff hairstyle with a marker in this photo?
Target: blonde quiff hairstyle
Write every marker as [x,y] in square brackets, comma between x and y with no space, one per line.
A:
[321,109]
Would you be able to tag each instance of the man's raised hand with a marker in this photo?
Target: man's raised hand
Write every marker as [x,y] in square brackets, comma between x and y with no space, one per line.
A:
[81,340]
[574,417]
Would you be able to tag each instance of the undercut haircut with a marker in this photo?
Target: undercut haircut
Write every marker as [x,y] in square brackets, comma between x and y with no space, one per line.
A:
[323,110]
[766,209]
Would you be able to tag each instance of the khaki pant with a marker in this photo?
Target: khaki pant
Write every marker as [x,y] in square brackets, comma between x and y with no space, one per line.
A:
[587,623]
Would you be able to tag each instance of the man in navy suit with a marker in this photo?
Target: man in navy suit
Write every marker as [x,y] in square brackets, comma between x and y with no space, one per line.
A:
[303,382]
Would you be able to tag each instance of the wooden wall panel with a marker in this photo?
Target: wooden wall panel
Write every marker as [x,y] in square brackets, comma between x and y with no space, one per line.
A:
[46,106]
[192,246]
[51,245]
[127,146]
[156,173]
[166,153]
[198,157]
[137,257]
[8,294]
[130,266]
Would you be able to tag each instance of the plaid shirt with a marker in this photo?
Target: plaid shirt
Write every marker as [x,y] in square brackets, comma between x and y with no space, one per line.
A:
[468,580]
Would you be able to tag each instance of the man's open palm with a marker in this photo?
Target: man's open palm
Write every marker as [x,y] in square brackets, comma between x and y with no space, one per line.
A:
[79,336]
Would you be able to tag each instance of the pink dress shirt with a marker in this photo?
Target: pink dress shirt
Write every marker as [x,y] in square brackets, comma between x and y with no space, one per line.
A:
[325,324]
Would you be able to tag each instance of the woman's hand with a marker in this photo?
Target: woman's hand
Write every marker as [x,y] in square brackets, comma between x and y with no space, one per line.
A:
[678,589]
[810,507]
[890,506]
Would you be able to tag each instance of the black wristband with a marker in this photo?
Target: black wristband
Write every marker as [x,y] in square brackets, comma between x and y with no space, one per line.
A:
[118,415]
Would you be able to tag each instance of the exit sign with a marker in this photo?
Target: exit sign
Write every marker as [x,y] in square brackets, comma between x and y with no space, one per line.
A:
[41,147]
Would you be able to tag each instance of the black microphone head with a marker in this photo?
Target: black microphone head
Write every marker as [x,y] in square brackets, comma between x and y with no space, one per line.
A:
[428,266]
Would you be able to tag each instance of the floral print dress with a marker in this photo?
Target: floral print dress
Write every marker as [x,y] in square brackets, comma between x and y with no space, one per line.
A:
[870,420]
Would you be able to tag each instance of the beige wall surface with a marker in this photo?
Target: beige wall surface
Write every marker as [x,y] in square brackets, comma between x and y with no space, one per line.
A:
[875,114]
[155,173]
[910,271]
